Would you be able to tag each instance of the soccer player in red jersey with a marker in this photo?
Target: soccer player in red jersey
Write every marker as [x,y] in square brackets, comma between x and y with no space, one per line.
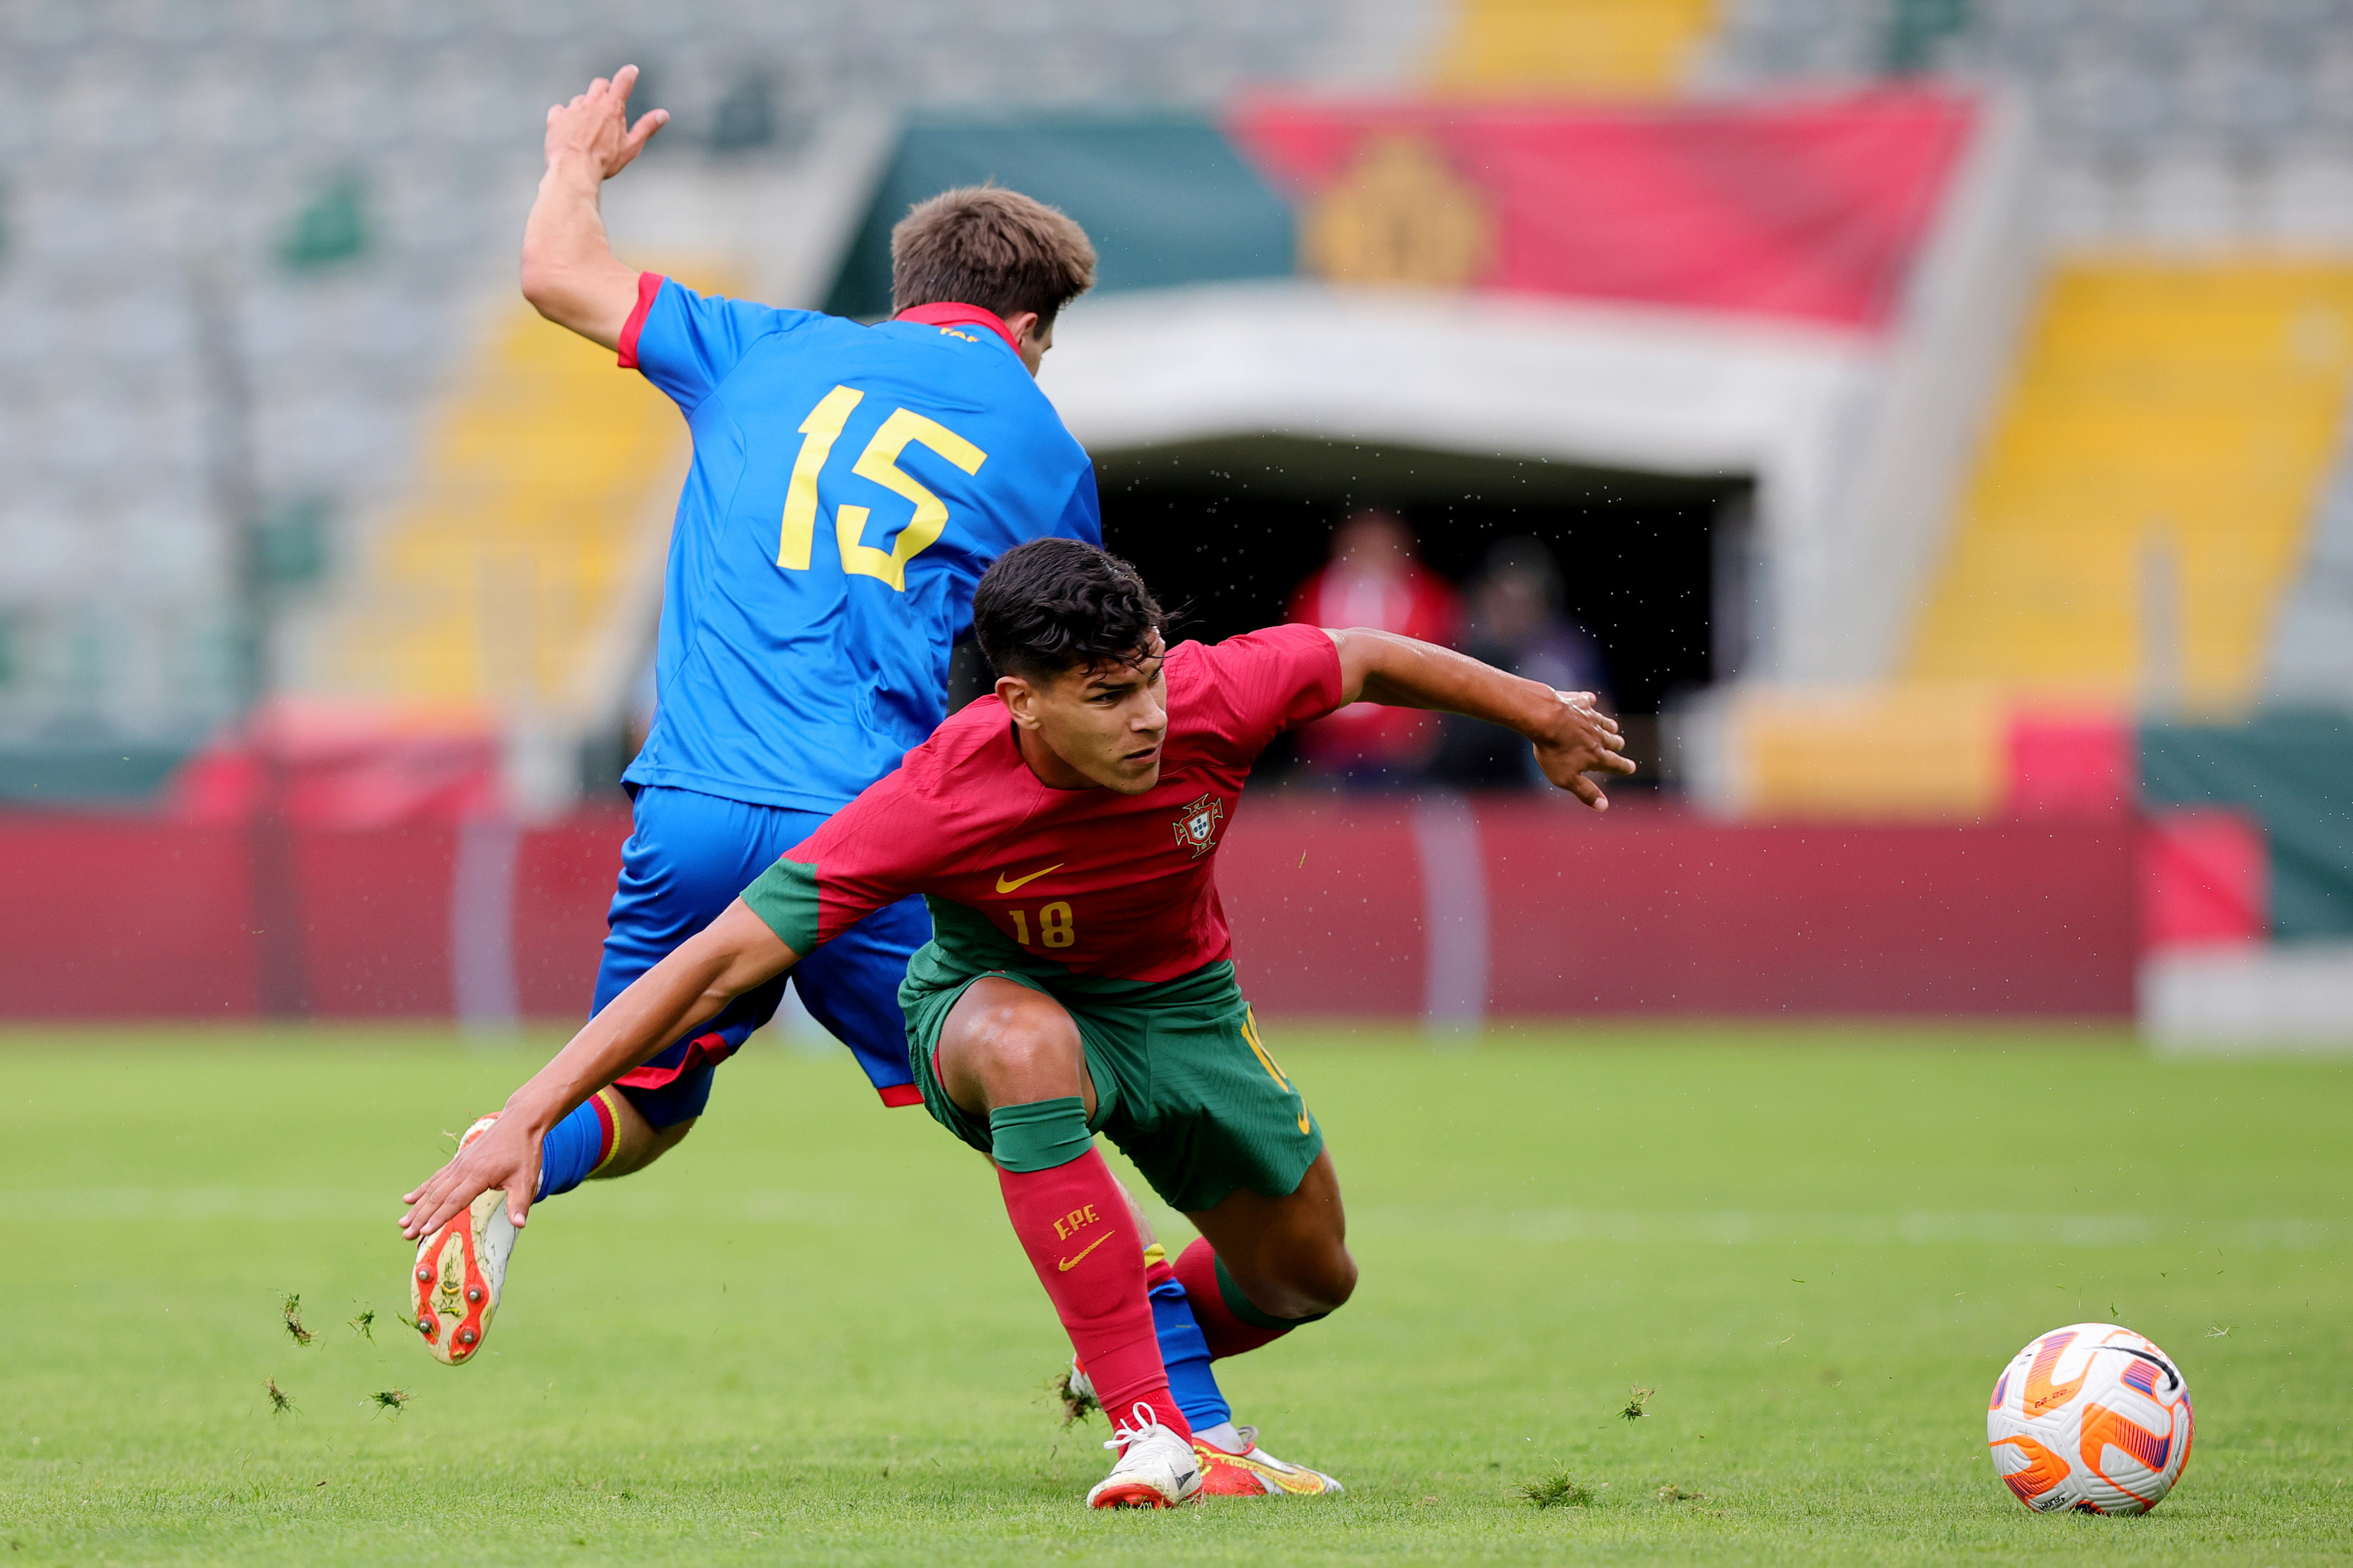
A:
[1080,979]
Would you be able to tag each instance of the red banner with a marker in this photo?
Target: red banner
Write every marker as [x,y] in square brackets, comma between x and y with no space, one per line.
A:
[1811,210]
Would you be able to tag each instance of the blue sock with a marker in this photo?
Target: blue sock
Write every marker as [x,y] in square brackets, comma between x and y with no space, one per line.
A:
[1183,1349]
[577,1146]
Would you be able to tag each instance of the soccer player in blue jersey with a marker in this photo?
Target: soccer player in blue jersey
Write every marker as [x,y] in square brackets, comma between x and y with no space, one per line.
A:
[850,486]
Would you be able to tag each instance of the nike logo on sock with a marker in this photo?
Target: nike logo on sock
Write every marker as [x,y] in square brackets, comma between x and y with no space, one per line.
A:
[1066,1264]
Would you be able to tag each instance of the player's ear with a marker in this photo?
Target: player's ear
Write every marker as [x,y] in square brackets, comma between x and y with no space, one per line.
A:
[1020,700]
[1031,337]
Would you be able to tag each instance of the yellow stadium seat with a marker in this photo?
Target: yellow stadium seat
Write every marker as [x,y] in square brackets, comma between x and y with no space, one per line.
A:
[1925,753]
[2135,519]
[504,568]
[1634,47]
[2140,507]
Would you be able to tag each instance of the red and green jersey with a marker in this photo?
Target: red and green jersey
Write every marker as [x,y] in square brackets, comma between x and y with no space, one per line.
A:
[1089,881]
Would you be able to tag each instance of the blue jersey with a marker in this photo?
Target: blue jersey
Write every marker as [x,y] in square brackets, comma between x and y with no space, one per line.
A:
[850,486]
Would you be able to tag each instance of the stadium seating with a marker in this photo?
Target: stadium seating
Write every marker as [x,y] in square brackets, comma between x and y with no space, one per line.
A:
[2142,508]
[147,142]
[2193,121]
[1632,46]
[539,480]
[1902,752]
[2144,497]
[2134,529]
[2145,502]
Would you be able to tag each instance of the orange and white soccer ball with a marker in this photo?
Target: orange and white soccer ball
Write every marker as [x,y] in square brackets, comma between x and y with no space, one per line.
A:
[2091,1418]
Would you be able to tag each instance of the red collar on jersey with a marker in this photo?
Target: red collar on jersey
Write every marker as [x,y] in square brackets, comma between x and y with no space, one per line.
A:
[950,315]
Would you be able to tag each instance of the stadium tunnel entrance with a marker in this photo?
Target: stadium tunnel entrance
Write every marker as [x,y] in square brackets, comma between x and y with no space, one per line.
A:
[1654,567]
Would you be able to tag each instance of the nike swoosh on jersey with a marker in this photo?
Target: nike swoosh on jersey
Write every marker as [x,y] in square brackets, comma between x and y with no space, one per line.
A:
[1005,887]
[1065,1265]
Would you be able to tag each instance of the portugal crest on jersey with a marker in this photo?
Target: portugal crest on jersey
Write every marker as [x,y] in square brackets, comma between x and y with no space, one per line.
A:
[1196,827]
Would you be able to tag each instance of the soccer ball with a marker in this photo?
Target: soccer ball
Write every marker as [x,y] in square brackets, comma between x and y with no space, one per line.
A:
[2091,1418]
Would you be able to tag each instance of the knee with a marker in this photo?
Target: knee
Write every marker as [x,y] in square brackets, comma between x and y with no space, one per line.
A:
[1008,1045]
[1009,1039]
[1329,1280]
[1313,1283]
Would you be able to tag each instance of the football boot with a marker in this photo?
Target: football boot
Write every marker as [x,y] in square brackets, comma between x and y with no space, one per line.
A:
[460,1270]
[1157,1468]
[1254,1472]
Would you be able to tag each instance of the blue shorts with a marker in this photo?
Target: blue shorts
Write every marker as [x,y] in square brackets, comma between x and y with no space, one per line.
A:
[687,858]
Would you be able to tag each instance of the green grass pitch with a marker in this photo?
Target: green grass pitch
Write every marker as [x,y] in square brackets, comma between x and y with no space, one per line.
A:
[807,1336]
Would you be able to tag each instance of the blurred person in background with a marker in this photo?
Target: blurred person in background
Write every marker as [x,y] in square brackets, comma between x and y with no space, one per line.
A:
[1516,623]
[1373,580]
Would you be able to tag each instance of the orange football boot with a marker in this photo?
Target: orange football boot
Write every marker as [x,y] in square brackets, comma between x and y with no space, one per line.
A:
[1254,1472]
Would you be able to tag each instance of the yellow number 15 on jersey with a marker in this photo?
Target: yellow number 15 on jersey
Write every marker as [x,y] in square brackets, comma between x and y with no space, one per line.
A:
[879,462]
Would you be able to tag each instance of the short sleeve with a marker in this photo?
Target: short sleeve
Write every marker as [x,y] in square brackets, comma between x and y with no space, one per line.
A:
[1267,681]
[687,343]
[862,859]
[785,896]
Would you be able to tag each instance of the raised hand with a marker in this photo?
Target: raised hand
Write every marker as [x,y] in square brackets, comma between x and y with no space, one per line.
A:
[593,129]
[1582,740]
[569,271]
[505,1158]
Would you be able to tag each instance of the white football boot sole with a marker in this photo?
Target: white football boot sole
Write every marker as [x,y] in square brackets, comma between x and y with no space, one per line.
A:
[462,1268]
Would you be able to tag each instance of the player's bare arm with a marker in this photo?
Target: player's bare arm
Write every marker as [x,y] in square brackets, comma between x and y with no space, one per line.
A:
[569,271]
[1570,736]
[728,957]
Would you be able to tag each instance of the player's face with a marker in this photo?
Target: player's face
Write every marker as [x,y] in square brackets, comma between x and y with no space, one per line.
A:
[1104,724]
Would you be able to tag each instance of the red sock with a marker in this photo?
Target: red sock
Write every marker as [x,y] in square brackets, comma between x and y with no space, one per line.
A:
[1196,1270]
[1075,1226]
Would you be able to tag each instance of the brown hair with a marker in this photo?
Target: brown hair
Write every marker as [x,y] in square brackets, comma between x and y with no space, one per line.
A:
[992,248]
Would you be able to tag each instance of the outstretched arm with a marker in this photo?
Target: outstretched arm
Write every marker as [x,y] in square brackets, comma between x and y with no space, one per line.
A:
[703,973]
[1570,737]
[569,272]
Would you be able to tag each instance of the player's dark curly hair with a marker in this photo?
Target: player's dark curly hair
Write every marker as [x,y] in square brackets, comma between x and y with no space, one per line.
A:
[1054,604]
